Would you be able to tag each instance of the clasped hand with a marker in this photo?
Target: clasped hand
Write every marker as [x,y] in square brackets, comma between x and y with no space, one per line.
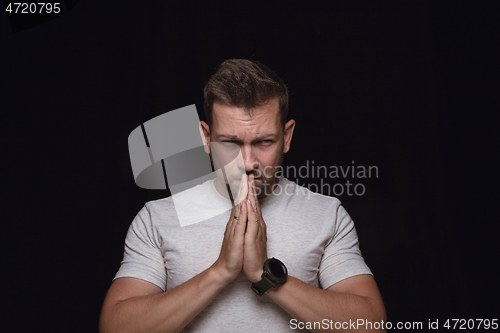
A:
[244,245]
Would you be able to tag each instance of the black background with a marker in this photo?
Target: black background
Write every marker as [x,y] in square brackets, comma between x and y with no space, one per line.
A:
[410,87]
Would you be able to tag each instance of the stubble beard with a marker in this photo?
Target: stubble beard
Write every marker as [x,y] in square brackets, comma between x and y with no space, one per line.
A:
[264,185]
[267,181]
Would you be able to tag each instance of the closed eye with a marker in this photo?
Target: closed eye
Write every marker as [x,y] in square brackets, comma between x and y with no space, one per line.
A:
[230,144]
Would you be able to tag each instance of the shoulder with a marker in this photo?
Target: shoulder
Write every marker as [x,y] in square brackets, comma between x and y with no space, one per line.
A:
[194,193]
[164,211]
[196,204]
[299,204]
[159,205]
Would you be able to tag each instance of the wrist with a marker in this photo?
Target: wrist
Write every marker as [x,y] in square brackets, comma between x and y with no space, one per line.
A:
[220,275]
[258,276]
[274,273]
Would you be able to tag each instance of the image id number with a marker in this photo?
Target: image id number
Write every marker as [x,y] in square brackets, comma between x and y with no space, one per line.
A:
[33,8]
[463,324]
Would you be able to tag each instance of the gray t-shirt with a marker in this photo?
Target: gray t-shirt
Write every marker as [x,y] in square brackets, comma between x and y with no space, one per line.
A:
[311,233]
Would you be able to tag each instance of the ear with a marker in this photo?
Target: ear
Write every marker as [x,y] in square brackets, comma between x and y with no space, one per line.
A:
[289,127]
[205,136]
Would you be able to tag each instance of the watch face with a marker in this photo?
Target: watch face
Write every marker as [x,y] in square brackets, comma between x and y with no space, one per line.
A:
[277,268]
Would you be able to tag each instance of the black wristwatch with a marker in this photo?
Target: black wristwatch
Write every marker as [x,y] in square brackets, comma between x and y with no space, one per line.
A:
[275,273]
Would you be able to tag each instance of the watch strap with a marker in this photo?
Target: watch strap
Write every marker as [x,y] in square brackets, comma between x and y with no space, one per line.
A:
[262,286]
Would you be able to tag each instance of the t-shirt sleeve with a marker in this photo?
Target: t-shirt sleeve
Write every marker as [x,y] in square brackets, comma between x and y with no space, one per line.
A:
[142,257]
[342,257]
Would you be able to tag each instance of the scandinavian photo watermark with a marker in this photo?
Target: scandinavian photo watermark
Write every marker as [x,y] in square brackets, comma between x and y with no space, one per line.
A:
[330,180]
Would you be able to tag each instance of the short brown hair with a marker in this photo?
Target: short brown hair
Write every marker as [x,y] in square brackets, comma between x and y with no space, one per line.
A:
[247,84]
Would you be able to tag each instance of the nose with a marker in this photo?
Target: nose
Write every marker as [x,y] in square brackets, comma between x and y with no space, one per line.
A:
[249,159]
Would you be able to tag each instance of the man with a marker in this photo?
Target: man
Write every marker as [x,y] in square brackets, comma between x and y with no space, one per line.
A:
[207,277]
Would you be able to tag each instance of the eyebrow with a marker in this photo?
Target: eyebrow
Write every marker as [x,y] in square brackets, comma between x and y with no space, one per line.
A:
[234,137]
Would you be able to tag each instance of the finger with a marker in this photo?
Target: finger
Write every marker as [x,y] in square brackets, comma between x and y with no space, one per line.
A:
[237,211]
[258,210]
[241,223]
[242,190]
[230,222]
[252,225]
[252,194]
[235,215]
[262,229]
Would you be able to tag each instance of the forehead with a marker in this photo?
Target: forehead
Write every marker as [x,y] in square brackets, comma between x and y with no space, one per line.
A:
[229,119]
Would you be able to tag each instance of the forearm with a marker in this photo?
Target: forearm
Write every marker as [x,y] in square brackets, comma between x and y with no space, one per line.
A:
[169,311]
[310,304]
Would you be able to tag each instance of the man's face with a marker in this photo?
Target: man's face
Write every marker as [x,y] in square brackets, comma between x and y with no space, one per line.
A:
[258,134]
